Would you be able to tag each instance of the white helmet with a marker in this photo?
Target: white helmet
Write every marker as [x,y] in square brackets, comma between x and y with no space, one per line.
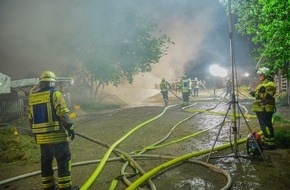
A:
[263,71]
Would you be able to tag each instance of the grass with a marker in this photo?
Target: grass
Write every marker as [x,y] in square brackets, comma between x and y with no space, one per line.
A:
[282,131]
[17,148]
[282,135]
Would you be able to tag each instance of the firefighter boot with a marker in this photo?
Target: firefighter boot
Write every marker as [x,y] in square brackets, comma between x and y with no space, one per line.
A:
[269,144]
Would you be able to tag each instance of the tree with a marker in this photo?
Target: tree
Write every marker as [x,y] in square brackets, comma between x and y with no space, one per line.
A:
[267,23]
[111,53]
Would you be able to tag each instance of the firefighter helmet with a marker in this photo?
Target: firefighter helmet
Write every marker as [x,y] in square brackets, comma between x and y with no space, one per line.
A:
[47,76]
[263,71]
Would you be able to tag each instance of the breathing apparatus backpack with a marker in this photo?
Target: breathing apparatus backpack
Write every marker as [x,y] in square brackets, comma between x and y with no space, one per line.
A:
[254,142]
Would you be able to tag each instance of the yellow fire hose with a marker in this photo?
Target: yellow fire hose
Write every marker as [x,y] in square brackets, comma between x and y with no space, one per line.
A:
[178,140]
[220,113]
[161,167]
[163,139]
[177,160]
[95,174]
[123,155]
[156,170]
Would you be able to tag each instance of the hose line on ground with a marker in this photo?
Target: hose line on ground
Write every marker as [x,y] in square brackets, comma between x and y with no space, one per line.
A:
[163,139]
[119,159]
[123,155]
[95,174]
[155,145]
[130,159]
[177,160]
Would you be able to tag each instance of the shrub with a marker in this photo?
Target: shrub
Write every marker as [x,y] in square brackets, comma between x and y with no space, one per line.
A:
[15,147]
[282,135]
[282,131]
[278,118]
[281,99]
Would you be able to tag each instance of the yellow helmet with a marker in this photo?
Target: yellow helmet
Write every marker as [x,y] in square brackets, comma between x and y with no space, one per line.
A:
[47,76]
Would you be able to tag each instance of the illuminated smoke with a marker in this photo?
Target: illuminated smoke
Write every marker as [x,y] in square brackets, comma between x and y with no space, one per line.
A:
[33,35]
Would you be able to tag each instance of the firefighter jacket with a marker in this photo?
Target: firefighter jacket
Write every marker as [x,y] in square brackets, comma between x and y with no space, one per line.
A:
[264,97]
[195,84]
[184,85]
[164,86]
[46,106]
[229,85]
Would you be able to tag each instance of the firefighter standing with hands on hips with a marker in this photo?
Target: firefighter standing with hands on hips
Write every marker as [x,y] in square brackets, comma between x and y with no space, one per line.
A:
[264,106]
[50,123]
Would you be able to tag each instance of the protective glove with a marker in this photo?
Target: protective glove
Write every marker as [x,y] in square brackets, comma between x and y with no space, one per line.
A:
[70,130]
[268,97]
[252,93]
[262,89]
[262,103]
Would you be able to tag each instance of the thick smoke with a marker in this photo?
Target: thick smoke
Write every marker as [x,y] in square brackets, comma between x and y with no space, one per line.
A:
[34,34]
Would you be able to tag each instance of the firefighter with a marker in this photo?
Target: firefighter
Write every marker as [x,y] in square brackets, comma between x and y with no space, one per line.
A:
[50,123]
[195,86]
[264,106]
[229,87]
[184,87]
[164,87]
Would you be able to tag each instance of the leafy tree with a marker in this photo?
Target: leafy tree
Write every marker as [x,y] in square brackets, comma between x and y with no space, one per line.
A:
[116,52]
[267,22]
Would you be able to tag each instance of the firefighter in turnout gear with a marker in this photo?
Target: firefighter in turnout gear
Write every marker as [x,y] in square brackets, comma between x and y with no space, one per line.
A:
[164,87]
[229,87]
[185,90]
[264,106]
[195,87]
[49,120]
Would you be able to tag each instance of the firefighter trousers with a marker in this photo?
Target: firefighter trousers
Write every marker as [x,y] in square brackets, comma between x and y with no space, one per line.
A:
[61,153]
[266,125]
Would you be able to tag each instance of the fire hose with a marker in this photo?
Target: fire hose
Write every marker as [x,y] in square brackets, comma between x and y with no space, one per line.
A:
[89,182]
[151,172]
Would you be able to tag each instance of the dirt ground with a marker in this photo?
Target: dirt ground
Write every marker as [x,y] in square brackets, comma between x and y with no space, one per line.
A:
[269,172]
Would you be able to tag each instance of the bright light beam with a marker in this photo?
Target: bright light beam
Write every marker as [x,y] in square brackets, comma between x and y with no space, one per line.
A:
[216,70]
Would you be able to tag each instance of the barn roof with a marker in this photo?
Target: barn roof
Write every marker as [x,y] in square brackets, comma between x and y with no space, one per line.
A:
[5,83]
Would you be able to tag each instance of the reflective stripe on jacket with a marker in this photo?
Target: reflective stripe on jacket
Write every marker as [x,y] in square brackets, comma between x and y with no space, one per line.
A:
[43,114]
[265,101]
[45,108]
[164,86]
[184,85]
[195,84]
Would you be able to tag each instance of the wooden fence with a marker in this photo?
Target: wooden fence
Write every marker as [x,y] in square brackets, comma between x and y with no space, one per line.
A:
[12,108]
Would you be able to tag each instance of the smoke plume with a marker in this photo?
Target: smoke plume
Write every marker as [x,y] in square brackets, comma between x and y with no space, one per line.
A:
[34,34]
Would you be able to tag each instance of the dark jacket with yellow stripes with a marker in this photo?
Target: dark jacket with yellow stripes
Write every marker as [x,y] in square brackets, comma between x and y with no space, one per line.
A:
[46,107]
